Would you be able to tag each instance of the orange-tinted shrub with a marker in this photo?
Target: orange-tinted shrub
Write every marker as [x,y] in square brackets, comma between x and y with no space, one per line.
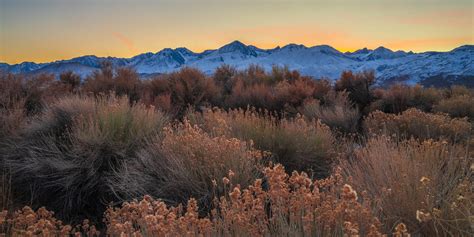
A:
[190,87]
[285,206]
[290,95]
[27,222]
[321,88]
[256,95]
[399,98]
[358,86]
[122,82]
[100,82]
[127,83]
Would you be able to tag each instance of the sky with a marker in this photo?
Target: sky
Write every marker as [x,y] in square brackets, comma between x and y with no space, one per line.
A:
[49,30]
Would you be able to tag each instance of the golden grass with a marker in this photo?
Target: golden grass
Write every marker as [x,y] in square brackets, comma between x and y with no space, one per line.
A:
[426,185]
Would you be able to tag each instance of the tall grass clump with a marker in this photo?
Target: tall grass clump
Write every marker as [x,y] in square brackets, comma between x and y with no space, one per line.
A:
[296,143]
[426,185]
[188,163]
[286,205]
[64,158]
[417,124]
[337,112]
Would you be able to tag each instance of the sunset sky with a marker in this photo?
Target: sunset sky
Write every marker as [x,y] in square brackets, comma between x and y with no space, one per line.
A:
[48,30]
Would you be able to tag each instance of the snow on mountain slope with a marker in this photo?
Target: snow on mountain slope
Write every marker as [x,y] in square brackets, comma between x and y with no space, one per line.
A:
[318,61]
[4,67]
[166,60]
[379,53]
[236,54]
[24,67]
[61,67]
[423,65]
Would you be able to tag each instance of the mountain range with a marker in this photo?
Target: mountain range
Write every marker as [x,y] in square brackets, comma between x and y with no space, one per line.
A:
[317,61]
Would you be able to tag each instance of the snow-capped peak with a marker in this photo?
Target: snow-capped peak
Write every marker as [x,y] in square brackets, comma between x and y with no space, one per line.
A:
[237,46]
[185,52]
[291,47]
[326,49]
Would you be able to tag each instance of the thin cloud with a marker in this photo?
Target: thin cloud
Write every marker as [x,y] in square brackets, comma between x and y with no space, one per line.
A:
[126,41]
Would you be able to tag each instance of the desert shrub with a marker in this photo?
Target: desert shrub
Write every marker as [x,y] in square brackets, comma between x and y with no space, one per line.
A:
[190,87]
[127,83]
[399,98]
[291,94]
[100,82]
[297,143]
[457,90]
[121,82]
[321,88]
[290,206]
[256,95]
[425,98]
[426,185]
[71,81]
[13,94]
[21,97]
[457,106]
[156,92]
[12,119]
[223,77]
[417,124]
[188,163]
[338,112]
[285,96]
[358,86]
[12,90]
[64,159]
[254,74]
[279,74]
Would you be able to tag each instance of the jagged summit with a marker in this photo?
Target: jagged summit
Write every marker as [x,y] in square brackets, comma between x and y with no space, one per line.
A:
[237,46]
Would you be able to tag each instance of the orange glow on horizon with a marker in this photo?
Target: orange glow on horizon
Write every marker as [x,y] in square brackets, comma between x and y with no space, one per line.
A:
[54,30]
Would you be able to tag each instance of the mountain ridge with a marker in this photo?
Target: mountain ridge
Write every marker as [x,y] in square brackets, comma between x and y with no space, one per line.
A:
[317,61]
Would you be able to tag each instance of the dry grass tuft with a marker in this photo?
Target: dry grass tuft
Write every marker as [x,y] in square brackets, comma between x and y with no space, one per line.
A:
[64,159]
[426,185]
[188,163]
